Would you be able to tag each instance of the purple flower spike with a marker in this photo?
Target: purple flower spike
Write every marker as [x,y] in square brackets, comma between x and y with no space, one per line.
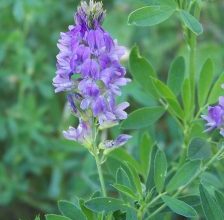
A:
[89,69]
[215,117]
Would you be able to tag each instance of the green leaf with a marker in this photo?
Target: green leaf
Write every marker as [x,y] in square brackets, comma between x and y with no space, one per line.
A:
[87,212]
[170,98]
[205,81]
[211,179]
[184,175]
[160,166]
[199,149]
[216,90]
[119,215]
[135,177]
[146,146]
[56,217]
[150,15]
[126,190]
[121,154]
[142,70]
[103,204]
[220,200]
[150,181]
[167,3]
[163,89]
[143,117]
[122,178]
[69,210]
[186,95]
[191,22]
[209,205]
[192,200]
[176,75]
[175,108]
[197,130]
[179,207]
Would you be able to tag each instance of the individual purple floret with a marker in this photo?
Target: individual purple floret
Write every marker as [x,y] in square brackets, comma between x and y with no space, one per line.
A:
[119,141]
[215,117]
[81,133]
[89,69]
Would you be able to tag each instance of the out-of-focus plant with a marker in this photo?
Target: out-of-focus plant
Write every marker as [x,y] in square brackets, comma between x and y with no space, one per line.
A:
[30,144]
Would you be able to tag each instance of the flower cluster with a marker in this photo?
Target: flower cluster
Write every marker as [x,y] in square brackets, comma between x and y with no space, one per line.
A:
[215,117]
[89,70]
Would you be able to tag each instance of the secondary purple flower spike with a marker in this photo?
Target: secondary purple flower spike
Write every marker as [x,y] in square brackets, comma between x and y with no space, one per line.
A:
[89,69]
[215,117]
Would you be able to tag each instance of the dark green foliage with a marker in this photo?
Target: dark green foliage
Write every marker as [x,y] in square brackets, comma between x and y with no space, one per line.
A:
[69,210]
[179,207]
[199,149]
[211,208]
[142,118]
[105,204]
[183,175]
[176,75]
[160,166]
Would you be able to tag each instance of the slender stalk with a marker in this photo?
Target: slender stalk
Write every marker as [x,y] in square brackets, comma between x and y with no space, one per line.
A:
[156,212]
[102,183]
[166,106]
[192,43]
[183,155]
[192,65]
[145,208]
[200,111]
[100,173]
[185,144]
[96,156]
[140,214]
[155,200]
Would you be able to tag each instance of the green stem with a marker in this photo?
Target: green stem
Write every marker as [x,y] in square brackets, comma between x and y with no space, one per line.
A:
[139,215]
[166,106]
[192,64]
[183,155]
[144,209]
[192,43]
[156,212]
[185,144]
[100,173]
[155,200]
[200,111]
[97,159]
[196,175]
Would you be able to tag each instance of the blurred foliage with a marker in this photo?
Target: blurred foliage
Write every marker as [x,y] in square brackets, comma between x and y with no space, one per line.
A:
[37,166]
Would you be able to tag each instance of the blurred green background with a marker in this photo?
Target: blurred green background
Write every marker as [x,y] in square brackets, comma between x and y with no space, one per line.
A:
[37,166]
